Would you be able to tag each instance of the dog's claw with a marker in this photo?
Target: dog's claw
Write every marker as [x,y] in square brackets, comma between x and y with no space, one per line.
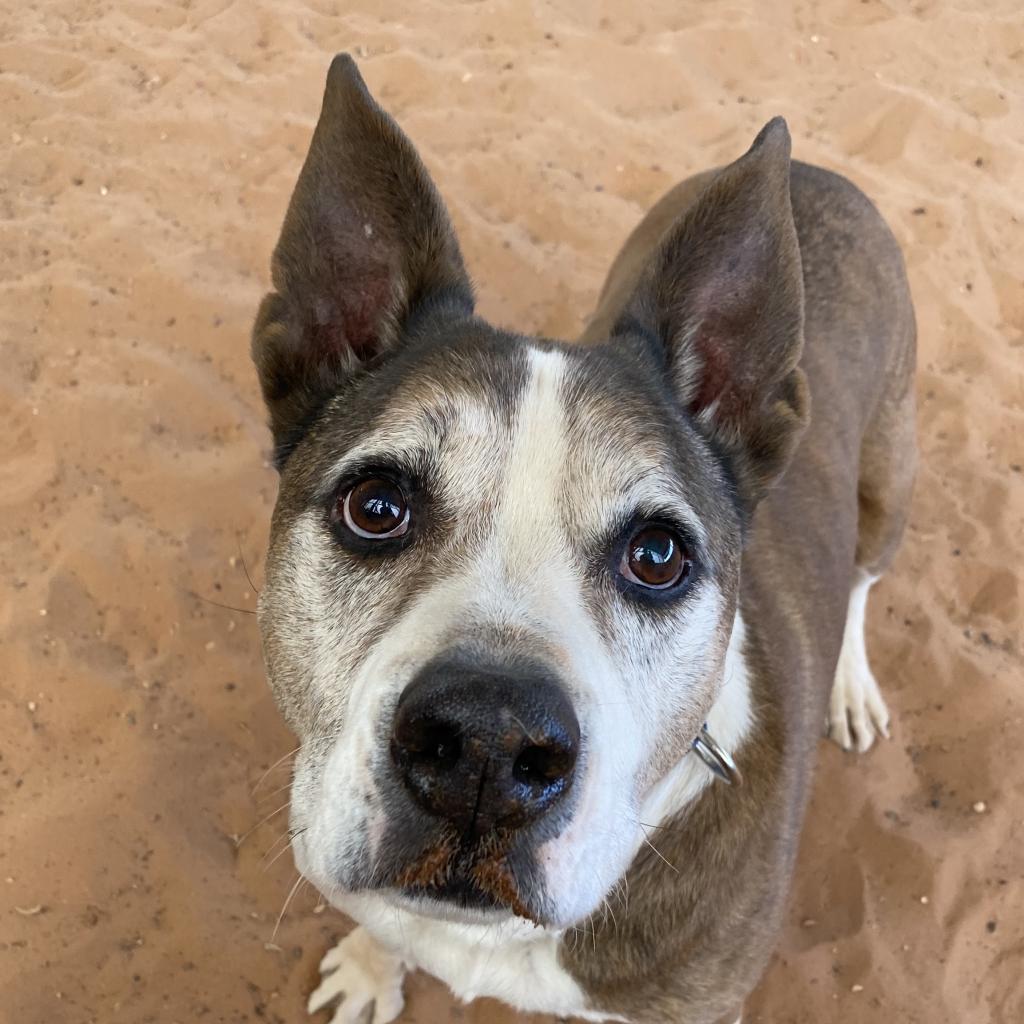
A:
[329,989]
[365,976]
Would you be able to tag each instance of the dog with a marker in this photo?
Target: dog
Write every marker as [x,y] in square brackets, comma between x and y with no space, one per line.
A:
[558,625]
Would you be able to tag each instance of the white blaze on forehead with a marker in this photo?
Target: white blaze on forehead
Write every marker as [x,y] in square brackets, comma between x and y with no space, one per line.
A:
[527,520]
[525,574]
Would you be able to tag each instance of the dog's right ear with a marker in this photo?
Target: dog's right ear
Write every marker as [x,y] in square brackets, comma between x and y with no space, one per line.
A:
[366,242]
[722,298]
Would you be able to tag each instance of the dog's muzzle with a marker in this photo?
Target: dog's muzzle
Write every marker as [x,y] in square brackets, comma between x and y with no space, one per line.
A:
[483,757]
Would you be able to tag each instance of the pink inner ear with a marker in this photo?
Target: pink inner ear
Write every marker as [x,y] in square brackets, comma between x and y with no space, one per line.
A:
[714,373]
[721,380]
[729,303]
[351,320]
[365,304]
[356,279]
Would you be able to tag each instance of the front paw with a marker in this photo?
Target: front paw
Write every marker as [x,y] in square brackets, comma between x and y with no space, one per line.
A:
[365,976]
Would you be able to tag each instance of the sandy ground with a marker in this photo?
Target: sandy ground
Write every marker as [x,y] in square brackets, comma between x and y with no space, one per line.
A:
[148,151]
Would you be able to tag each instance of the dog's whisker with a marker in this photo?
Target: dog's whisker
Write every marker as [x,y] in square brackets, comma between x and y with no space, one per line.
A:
[217,604]
[625,896]
[241,839]
[606,908]
[660,855]
[273,846]
[245,568]
[287,846]
[275,792]
[662,828]
[280,917]
[276,764]
[526,732]
[615,893]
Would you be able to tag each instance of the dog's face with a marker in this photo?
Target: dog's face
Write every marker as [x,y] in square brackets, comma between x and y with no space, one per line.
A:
[503,571]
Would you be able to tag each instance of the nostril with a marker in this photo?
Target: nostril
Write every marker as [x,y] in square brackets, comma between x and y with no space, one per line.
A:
[538,766]
[428,742]
[442,747]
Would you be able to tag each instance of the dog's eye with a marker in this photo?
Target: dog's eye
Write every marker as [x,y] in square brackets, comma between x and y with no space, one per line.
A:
[656,558]
[375,509]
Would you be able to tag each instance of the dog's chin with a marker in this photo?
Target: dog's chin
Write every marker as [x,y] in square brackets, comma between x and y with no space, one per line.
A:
[455,902]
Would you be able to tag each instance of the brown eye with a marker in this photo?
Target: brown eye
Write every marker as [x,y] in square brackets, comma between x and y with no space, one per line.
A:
[375,509]
[656,558]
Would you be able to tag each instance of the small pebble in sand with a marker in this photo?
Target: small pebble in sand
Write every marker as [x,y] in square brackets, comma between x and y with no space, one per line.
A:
[924,899]
[42,611]
[103,190]
[980,807]
[856,988]
[808,922]
[32,705]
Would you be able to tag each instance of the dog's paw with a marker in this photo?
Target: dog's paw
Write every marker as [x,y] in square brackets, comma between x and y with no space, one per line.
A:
[857,714]
[365,976]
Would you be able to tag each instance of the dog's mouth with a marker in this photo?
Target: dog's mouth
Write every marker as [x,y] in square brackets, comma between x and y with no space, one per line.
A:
[478,878]
[460,892]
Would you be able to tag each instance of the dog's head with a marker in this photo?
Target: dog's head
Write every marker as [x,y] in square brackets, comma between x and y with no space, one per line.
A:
[503,570]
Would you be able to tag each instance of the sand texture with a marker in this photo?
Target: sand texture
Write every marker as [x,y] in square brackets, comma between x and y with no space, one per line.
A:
[148,152]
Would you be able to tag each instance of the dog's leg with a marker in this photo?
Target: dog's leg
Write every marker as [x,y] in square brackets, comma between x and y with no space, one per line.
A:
[365,976]
[857,712]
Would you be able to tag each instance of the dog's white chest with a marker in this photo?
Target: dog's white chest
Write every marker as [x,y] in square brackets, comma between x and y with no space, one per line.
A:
[514,961]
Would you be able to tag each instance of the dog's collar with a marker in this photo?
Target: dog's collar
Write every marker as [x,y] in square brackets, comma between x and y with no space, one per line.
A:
[719,762]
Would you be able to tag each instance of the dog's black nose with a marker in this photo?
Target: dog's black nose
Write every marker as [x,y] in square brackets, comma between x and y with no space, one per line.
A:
[485,747]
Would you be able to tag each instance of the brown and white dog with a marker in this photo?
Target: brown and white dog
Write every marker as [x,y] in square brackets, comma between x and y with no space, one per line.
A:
[511,579]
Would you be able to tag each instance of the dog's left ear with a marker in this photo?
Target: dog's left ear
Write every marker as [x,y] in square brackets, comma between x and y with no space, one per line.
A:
[723,294]
[366,243]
